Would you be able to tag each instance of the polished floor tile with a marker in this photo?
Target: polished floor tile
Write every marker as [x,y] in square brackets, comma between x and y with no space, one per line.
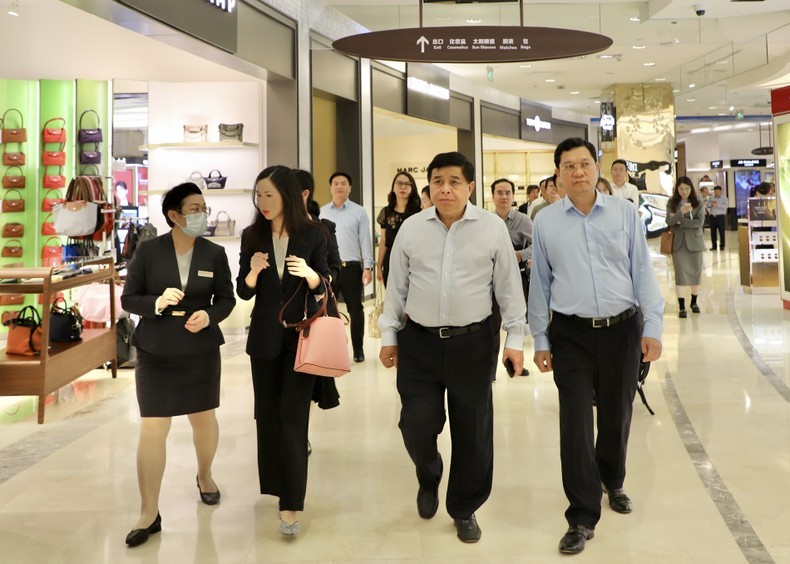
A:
[709,473]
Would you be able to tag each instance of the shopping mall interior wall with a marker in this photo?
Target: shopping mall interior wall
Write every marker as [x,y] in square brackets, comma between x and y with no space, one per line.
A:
[701,148]
[324,145]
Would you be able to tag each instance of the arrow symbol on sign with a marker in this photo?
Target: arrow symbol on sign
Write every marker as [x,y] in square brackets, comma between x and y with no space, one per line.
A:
[422,42]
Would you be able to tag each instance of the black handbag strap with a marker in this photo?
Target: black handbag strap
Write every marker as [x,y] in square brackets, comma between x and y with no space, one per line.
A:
[211,174]
[98,119]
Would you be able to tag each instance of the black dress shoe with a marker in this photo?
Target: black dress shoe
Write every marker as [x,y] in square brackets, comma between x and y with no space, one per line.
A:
[138,536]
[694,308]
[524,372]
[468,531]
[359,356]
[209,498]
[573,541]
[619,501]
[428,498]
[682,314]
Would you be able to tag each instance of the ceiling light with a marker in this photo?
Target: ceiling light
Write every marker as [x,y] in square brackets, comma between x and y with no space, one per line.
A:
[722,128]
[691,99]
[473,21]
[635,19]
[722,114]
[551,80]
[722,62]
[606,56]
[13,10]
[731,108]
[660,79]
[597,101]
[649,64]
[692,85]
[574,91]
[675,91]
[701,130]
[638,47]
[711,107]
[526,66]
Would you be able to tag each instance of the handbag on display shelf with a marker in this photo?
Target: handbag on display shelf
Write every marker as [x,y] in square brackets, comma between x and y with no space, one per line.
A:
[54,134]
[195,133]
[215,181]
[11,134]
[86,135]
[8,315]
[94,302]
[54,180]
[24,333]
[11,299]
[13,230]
[65,323]
[667,239]
[224,227]
[75,218]
[323,345]
[48,228]
[12,251]
[52,255]
[48,201]
[197,179]
[231,131]
[53,158]
[11,205]
[13,180]
[13,159]
[90,157]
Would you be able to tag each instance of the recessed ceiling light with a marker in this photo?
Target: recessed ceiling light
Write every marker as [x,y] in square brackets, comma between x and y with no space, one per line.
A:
[526,66]
[574,91]
[722,62]
[711,107]
[649,64]
[691,99]
[473,21]
[635,19]
[675,91]
[731,108]
[13,10]
[639,46]
[722,114]
[701,130]
[606,56]
[597,101]
[551,80]
[692,85]
[660,79]
[442,19]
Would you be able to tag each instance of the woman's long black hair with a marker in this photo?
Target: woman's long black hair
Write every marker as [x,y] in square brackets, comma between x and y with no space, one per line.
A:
[674,202]
[295,221]
[414,205]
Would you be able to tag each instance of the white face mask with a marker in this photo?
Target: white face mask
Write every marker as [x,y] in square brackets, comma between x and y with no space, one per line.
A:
[197,223]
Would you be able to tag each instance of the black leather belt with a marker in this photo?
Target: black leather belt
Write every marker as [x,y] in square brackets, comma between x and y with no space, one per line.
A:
[601,322]
[447,332]
[346,263]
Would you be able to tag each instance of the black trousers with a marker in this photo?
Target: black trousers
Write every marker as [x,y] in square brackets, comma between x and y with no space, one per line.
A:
[717,225]
[604,362]
[429,366]
[349,284]
[282,412]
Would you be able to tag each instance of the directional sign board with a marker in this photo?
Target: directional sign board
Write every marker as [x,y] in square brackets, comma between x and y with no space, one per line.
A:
[472,44]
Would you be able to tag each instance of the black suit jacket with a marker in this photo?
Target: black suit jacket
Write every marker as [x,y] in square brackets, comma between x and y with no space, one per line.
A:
[267,337]
[153,269]
[332,250]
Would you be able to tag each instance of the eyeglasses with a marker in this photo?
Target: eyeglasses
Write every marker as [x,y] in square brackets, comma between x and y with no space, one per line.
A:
[189,211]
[402,183]
[570,168]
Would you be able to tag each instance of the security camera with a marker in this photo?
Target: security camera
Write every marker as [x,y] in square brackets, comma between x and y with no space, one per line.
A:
[699,9]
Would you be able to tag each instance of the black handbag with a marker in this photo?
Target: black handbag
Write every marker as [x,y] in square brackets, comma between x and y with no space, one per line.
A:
[126,353]
[65,324]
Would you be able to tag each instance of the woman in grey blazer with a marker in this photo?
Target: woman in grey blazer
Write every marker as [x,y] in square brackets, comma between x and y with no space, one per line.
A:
[685,217]
[180,286]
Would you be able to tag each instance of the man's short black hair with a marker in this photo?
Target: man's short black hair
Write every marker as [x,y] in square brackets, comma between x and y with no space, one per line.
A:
[343,174]
[495,182]
[453,159]
[174,198]
[532,187]
[620,161]
[716,188]
[426,190]
[570,144]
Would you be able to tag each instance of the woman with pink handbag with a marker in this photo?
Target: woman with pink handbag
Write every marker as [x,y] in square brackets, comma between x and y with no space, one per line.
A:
[280,251]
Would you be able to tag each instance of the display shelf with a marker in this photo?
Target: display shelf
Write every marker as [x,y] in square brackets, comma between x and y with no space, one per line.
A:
[215,145]
[224,238]
[209,192]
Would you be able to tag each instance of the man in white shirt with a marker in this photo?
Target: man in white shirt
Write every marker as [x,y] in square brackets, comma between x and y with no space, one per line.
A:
[620,185]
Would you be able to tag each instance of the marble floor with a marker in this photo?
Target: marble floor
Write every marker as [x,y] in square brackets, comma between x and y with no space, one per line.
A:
[709,473]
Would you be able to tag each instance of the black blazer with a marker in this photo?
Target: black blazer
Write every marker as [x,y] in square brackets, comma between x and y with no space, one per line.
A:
[153,269]
[267,337]
[332,250]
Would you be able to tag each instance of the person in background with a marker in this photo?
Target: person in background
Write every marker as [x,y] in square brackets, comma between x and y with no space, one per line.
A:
[403,201]
[550,195]
[425,197]
[685,217]
[282,261]
[620,185]
[533,194]
[447,263]
[519,227]
[180,285]
[587,289]
[356,253]
[717,211]
[603,186]
[307,184]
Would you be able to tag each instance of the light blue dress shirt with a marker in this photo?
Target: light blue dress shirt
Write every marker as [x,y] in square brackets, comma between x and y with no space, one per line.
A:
[443,277]
[718,206]
[591,266]
[352,230]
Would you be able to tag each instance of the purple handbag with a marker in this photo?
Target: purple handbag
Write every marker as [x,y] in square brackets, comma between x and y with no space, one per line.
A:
[90,135]
[90,157]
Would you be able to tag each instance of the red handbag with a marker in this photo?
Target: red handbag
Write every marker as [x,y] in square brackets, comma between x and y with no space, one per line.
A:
[25,334]
[48,202]
[13,180]
[13,159]
[15,205]
[52,255]
[53,158]
[48,228]
[14,251]
[54,134]
[108,212]
[14,135]
[53,181]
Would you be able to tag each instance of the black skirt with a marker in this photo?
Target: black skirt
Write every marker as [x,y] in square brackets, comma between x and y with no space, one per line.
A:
[177,385]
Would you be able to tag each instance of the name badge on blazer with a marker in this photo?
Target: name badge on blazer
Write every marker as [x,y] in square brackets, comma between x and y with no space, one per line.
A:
[206,273]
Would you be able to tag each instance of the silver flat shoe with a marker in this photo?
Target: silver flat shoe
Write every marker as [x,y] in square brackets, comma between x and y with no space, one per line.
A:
[290,528]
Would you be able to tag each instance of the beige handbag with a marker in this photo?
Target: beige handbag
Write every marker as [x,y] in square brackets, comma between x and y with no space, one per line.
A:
[224,227]
[373,320]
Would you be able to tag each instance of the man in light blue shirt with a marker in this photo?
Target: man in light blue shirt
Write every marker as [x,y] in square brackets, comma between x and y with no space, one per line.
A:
[445,265]
[717,209]
[356,254]
[591,276]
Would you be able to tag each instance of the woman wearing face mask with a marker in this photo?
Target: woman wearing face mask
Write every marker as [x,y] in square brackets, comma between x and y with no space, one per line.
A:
[685,217]
[282,261]
[180,285]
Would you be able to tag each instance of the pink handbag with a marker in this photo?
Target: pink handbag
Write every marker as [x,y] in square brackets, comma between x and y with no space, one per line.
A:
[94,302]
[323,344]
